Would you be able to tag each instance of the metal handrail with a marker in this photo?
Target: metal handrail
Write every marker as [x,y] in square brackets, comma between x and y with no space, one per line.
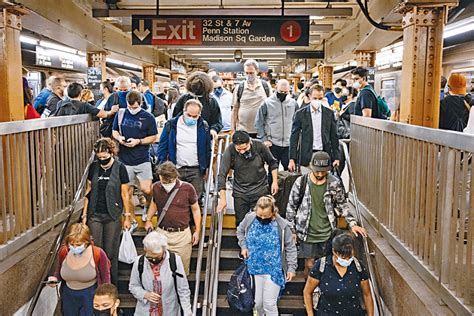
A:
[8,128]
[57,243]
[219,218]
[374,288]
[203,233]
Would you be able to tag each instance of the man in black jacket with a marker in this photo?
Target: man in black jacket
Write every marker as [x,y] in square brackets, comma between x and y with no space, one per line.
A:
[200,87]
[247,157]
[314,129]
[75,106]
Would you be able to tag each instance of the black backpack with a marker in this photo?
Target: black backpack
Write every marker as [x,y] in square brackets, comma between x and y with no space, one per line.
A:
[105,128]
[173,268]
[241,290]
[240,90]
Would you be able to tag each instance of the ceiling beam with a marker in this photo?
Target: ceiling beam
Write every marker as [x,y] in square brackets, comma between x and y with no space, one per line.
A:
[237,11]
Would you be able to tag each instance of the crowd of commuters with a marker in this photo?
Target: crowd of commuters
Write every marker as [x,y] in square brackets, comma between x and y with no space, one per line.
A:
[270,130]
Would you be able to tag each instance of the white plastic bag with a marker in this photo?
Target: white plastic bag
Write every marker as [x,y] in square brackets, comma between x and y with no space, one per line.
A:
[127,252]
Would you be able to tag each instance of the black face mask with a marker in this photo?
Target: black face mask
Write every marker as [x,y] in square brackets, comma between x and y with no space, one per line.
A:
[281,96]
[247,155]
[154,260]
[264,221]
[344,98]
[103,312]
[105,161]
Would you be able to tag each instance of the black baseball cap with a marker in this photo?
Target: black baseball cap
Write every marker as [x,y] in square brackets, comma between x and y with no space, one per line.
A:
[240,137]
[320,161]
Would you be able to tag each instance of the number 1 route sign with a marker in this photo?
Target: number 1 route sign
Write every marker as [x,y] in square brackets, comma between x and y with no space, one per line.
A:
[258,31]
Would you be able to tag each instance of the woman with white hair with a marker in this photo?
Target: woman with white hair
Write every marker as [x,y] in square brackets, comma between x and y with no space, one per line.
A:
[159,291]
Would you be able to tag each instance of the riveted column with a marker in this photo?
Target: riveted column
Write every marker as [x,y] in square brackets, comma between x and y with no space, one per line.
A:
[148,72]
[421,71]
[98,60]
[325,75]
[365,58]
[11,98]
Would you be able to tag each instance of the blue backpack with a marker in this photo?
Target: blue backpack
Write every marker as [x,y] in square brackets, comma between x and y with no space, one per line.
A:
[240,292]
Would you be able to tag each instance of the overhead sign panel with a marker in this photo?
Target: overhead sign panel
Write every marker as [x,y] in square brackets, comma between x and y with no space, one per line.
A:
[305,54]
[258,31]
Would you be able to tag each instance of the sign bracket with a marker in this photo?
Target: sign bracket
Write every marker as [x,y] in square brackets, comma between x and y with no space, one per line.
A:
[282,7]
[157,7]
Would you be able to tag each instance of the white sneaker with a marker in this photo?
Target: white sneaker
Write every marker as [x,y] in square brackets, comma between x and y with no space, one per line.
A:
[144,215]
[133,226]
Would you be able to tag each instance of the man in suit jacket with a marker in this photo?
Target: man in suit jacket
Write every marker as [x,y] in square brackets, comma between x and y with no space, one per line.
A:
[315,126]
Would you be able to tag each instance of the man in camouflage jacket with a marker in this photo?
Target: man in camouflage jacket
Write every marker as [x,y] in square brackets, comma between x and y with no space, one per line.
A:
[323,200]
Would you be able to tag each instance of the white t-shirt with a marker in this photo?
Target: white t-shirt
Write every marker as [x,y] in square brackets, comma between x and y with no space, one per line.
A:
[186,145]
[316,117]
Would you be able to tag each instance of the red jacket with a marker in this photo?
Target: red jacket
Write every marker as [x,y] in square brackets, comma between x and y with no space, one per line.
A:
[102,264]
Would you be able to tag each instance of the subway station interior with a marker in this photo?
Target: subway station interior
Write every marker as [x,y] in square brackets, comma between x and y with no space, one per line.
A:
[234,91]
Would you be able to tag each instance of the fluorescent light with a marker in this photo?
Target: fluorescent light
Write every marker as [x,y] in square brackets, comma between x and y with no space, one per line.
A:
[57,47]
[213,54]
[115,61]
[241,48]
[459,27]
[130,65]
[227,58]
[245,54]
[459,30]
[316,17]
[28,40]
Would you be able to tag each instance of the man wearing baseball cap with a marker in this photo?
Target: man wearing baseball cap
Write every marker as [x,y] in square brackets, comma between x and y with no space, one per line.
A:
[312,215]
[247,157]
[454,108]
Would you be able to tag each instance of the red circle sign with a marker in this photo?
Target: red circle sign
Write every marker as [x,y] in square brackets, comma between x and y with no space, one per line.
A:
[290,31]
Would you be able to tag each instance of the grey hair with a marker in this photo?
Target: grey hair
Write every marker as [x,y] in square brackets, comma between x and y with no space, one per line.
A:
[283,82]
[192,102]
[251,62]
[56,82]
[123,82]
[155,242]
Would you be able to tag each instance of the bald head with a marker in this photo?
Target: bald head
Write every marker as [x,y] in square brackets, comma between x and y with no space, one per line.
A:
[283,85]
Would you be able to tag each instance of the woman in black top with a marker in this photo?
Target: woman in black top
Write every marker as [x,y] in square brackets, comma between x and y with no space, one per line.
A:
[106,197]
[342,282]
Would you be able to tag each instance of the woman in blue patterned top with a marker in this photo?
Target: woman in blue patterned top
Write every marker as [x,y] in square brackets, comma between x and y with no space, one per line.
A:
[267,243]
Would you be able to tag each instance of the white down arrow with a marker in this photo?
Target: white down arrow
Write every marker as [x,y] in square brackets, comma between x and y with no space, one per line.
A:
[141,33]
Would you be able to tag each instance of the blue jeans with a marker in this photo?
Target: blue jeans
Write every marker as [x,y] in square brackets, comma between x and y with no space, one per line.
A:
[77,302]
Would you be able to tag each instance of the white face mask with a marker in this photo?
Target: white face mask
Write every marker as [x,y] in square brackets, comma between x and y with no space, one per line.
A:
[316,104]
[168,186]
[134,111]
[251,78]
[356,85]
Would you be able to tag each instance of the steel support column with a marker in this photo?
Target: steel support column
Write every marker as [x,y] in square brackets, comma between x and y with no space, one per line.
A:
[98,59]
[11,98]
[148,72]
[365,58]
[325,75]
[421,71]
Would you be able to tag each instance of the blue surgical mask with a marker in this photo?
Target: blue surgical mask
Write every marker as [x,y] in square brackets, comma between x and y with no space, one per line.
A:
[344,262]
[77,250]
[189,121]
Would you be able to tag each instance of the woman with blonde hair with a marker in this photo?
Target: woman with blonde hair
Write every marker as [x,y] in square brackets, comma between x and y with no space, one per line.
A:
[87,96]
[269,248]
[82,266]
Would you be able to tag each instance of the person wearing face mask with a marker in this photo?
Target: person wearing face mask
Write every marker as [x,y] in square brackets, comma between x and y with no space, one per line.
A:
[118,99]
[151,103]
[200,87]
[314,200]
[247,158]
[224,98]
[174,222]
[313,129]
[135,129]
[106,201]
[81,267]
[74,106]
[152,283]
[186,142]
[343,282]
[106,301]
[273,122]
[261,235]
[248,97]
[366,103]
